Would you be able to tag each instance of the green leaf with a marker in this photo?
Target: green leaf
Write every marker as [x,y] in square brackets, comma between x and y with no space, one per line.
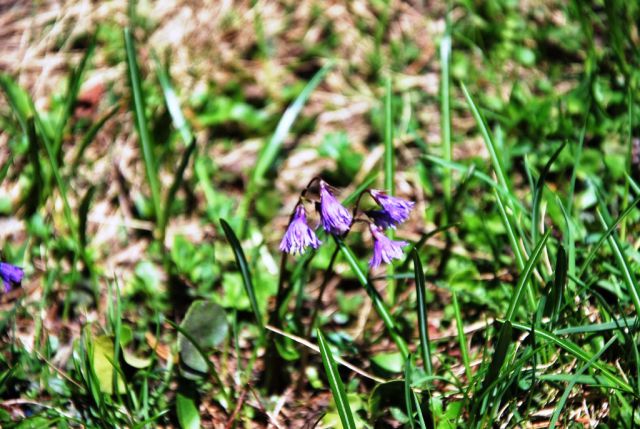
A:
[241,260]
[187,410]
[390,362]
[206,323]
[335,382]
[102,362]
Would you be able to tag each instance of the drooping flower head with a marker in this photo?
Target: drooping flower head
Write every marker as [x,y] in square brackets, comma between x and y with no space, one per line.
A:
[395,210]
[10,275]
[299,235]
[381,218]
[384,249]
[335,218]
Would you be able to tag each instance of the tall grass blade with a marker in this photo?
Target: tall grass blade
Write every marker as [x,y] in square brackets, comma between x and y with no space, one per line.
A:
[178,178]
[576,351]
[559,282]
[389,150]
[389,174]
[462,338]
[445,109]
[628,275]
[89,136]
[408,392]
[173,103]
[538,191]
[423,325]
[146,143]
[5,168]
[335,383]
[18,99]
[499,355]
[35,196]
[241,260]
[488,140]
[83,212]
[525,275]
[606,235]
[71,97]
[268,155]
[378,303]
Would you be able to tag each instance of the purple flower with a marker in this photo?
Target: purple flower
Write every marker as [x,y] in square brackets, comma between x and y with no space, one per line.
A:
[299,235]
[381,218]
[396,210]
[10,275]
[384,249]
[336,219]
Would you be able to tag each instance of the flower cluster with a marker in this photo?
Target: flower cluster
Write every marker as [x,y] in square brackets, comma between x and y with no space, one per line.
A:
[338,220]
[11,275]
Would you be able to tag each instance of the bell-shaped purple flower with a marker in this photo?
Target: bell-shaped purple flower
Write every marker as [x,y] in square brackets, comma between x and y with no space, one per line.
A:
[10,275]
[335,218]
[384,249]
[396,210]
[381,218]
[299,235]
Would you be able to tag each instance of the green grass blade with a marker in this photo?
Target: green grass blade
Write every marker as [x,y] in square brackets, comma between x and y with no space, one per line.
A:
[389,150]
[628,323]
[423,324]
[35,196]
[513,202]
[335,383]
[89,136]
[18,99]
[173,103]
[241,260]
[71,97]
[408,392]
[577,158]
[576,351]
[389,173]
[83,212]
[606,235]
[570,241]
[538,191]
[462,338]
[526,274]
[559,282]
[378,303]
[175,185]
[5,168]
[488,140]
[146,143]
[445,108]
[57,175]
[511,231]
[628,275]
[499,355]
[268,155]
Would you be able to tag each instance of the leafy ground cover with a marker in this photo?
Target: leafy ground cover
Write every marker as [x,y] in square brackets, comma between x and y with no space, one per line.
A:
[151,156]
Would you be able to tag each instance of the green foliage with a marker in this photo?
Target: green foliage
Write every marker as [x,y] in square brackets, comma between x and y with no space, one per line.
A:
[513,129]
